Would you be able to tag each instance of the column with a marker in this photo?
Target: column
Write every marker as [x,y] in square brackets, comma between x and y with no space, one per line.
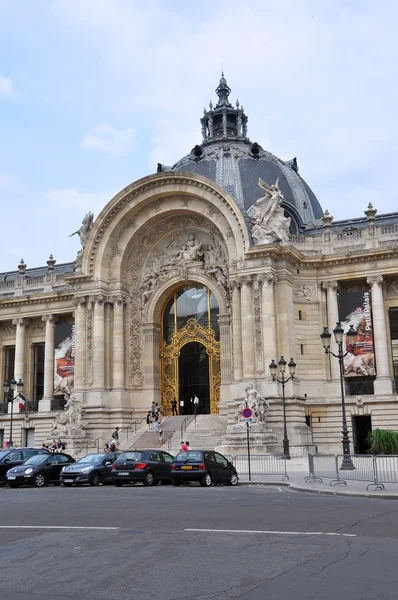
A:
[118,342]
[225,347]
[333,318]
[99,342]
[268,318]
[20,323]
[80,343]
[49,362]
[237,330]
[247,327]
[380,335]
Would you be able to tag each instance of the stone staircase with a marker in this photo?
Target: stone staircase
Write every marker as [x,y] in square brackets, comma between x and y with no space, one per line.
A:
[205,432]
[171,427]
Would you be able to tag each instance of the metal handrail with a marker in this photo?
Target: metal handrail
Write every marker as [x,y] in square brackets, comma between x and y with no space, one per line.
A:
[136,422]
[184,427]
[92,443]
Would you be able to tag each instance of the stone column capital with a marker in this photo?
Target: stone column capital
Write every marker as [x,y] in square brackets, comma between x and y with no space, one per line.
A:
[375,280]
[119,300]
[330,285]
[21,321]
[269,278]
[99,299]
[49,319]
[79,301]
[247,280]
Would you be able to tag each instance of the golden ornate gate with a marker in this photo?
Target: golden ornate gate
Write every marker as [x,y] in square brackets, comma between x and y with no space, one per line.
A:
[192,331]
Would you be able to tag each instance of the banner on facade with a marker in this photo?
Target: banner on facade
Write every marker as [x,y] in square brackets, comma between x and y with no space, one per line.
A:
[64,371]
[355,310]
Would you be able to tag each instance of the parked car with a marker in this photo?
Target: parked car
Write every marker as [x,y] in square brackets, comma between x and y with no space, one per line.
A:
[92,469]
[39,470]
[16,456]
[146,466]
[205,466]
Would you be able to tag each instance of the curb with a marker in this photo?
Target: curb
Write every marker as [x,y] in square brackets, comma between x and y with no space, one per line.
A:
[300,488]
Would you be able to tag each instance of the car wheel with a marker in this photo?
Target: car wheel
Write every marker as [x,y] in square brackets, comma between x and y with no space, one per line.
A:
[149,479]
[206,481]
[39,480]
[14,485]
[68,484]
[95,478]
[118,483]
[175,482]
[233,480]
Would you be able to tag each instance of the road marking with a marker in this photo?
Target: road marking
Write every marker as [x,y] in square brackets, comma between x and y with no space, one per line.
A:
[56,527]
[270,532]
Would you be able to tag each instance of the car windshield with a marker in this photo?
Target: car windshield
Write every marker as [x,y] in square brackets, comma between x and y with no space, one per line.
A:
[184,456]
[92,458]
[131,456]
[37,460]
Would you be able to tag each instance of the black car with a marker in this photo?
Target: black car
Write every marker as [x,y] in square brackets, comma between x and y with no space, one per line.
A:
[17,456]
[205,466]
[92,469]
[39,470]
[147,466]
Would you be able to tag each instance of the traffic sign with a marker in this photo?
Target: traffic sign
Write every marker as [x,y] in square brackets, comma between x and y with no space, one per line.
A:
[247,413]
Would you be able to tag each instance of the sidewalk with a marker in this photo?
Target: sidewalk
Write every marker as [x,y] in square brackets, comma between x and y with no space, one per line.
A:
[297,470]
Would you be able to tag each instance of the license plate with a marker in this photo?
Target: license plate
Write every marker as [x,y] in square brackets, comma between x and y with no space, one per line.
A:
[11,477]
[68,480]
[123,473]
[186,468]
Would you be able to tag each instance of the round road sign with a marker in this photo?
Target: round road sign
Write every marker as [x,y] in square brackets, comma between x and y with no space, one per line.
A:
[247,413]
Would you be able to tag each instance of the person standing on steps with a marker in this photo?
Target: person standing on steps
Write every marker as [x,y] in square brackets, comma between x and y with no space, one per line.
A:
[153,409]
[149,421]
[161,440]
[184,447]
[174,407]
[115,437]
[195,405]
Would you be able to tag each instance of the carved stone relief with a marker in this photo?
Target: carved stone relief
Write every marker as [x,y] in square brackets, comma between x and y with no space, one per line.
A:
[257,320]
[304,292]
[89,337]
[392,288]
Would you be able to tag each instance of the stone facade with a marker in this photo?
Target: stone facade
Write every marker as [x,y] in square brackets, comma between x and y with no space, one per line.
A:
[275,291]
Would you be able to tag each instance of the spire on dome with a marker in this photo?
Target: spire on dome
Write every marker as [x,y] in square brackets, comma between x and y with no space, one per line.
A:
[224,121]
[223,92]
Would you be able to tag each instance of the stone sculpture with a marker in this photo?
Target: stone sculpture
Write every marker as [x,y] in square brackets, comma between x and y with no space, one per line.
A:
[257,403]
[69,421]
[269,224]
[84,230]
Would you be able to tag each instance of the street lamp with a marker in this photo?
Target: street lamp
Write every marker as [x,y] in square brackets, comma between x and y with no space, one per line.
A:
[9,396]
[347,464]
[273,367]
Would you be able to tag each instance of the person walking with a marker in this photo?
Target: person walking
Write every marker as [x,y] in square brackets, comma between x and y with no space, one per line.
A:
[174,407]
[196,404]
[153,409]
[115,438]
[161,440]
[149,421]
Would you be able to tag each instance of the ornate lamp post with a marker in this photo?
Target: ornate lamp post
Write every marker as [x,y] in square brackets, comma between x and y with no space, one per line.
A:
[9,396]
[347,464]
[283,381]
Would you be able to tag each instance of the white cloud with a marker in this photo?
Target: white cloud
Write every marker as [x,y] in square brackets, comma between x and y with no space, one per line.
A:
[6,86]
[70,199]
[109,140]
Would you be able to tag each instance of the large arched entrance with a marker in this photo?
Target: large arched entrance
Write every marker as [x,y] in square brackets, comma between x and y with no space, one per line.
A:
[190,350]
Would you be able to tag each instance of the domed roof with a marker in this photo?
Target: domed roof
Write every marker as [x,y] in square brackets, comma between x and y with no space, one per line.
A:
[228,157]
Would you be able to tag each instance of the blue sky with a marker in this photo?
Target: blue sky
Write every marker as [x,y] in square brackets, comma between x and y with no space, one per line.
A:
[93,93]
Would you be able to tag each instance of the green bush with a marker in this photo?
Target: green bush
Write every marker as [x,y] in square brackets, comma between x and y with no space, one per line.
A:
[383,441]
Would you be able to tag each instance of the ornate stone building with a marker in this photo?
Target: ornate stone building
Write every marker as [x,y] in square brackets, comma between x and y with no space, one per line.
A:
[192,280]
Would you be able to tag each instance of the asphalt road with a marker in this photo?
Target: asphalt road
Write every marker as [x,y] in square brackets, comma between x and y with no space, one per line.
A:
[166,543]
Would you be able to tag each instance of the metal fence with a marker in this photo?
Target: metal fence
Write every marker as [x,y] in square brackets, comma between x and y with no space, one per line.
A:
[261,464]
[374,470]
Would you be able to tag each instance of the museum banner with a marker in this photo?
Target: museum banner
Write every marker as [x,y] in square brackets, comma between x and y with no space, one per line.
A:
[355,310]
[64,371]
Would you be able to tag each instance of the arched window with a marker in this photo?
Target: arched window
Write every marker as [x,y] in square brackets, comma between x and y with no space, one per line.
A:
[190,302]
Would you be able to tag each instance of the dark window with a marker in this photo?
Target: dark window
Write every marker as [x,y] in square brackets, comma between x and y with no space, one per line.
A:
[302,348]
[38,372]
[16,455]
[167,458]
[300,315]
[209,457]
[61,459]
[155,457]
[221,460]
[9,363]
[359,386]
[308,420]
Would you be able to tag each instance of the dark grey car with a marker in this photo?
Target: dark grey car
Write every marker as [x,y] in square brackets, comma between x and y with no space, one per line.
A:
[92,469]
